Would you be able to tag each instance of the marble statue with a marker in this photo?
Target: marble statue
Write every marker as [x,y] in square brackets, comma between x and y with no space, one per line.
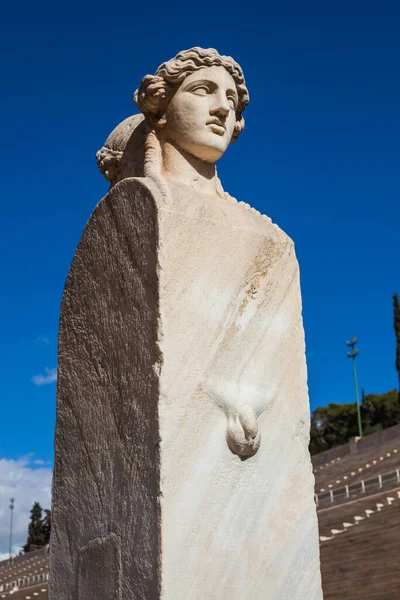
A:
[182,469]
[192,110]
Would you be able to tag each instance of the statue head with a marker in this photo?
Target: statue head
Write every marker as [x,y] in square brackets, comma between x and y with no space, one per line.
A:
[195,101]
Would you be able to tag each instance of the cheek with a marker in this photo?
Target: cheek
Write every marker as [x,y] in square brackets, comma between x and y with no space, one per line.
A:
[187,115]
[231,123]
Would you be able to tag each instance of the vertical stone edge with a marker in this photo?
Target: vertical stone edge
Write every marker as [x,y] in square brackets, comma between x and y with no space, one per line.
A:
[106,483]
[303,434]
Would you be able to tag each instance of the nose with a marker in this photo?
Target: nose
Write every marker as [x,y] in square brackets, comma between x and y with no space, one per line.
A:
[221,105]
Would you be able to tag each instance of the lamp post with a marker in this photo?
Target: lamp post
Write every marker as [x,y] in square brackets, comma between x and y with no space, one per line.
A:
[12,500]
[352,354]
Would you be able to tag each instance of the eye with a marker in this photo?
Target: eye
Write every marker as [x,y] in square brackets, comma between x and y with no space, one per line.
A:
[232,101]
[200,90]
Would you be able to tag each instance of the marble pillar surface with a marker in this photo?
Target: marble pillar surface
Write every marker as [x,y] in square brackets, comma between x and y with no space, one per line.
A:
[182,469]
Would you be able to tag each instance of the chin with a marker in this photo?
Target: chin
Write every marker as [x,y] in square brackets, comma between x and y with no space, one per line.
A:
[209,152]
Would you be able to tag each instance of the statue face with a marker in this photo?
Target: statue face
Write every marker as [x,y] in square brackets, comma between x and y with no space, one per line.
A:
[201,116]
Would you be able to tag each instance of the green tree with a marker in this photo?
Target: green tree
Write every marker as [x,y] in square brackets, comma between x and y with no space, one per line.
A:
[384,410]
[335,424]
[396,307]
[332,425]
[36,534]
[46,523]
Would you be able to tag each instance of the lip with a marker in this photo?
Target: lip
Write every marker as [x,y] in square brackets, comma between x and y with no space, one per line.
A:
[217,127]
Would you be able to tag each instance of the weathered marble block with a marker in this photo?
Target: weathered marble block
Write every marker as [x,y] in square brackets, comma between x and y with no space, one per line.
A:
[182,469]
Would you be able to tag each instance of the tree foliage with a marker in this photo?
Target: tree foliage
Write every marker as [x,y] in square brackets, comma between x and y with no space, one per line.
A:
[335,424]
[46,523]
[39,528]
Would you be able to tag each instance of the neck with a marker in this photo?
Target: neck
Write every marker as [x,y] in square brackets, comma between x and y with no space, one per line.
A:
[182,167]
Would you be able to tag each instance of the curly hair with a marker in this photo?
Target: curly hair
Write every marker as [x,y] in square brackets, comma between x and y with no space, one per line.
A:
[156,91]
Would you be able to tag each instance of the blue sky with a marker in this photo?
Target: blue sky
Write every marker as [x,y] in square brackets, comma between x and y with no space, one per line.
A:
[319,155]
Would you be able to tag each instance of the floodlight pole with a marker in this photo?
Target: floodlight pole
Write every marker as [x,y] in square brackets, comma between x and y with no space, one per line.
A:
[352,354]
[12,500]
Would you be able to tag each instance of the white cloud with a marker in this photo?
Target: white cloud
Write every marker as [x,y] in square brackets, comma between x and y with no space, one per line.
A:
[27,485]
[42,340]
[49,377]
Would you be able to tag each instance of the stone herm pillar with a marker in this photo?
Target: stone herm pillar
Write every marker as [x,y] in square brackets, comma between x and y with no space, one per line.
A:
[182,469]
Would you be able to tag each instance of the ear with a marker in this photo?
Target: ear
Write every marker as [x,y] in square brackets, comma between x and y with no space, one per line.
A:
[239,126]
